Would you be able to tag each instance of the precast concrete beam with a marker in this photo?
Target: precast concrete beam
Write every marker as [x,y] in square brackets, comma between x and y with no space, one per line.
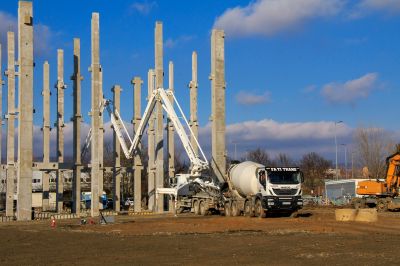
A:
[25,125]
[77,120]
[11,113]
[60,86]
[159,145]
[137,161]
[151,168]
[193,86]
[46,135]
[95,114]
[218,160]
[117,153]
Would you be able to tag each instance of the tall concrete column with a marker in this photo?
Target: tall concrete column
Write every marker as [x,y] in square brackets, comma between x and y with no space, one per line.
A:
[46,135]
[11,112]
[159,113]
[1,107]
[117,153]
[193,85]
[101,145]
[95,114]
[77,120]
[137,161]
[25,125]
[218,160]
[170,126]
[151,168]
[60,127]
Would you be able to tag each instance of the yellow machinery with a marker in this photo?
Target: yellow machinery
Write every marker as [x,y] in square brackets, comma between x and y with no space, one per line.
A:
[381,194]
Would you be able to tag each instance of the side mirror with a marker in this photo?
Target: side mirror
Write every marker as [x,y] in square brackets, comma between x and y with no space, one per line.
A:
[301,177]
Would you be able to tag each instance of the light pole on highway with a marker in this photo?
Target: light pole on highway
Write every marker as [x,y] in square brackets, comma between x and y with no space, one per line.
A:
[336,170]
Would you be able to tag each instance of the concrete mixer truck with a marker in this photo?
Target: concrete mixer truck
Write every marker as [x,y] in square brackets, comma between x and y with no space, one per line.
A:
[255,190]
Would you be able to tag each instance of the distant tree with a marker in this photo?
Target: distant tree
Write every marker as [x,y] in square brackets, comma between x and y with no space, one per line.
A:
[283,159]
[314,167]
[259,156]
[372,146]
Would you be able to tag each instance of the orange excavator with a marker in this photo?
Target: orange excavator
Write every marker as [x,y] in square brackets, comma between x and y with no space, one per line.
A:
[384,195]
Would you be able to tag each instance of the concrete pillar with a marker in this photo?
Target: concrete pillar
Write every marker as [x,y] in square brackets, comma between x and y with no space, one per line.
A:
[46,135]
[151,168]
[193,85]
[117,153]
[1,107]
[60,127]
[170,126]
[101,145]
[25,125]
[159,113]
[218,160]
[77,120]
[137,161]
[95,114]
[11,112]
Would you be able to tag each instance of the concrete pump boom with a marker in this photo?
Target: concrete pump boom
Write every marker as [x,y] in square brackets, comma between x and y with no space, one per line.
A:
[198,163]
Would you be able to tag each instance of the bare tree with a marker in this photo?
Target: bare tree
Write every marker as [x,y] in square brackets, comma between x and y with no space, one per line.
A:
[259,156]
[372,146]
[283,160]
[314,167]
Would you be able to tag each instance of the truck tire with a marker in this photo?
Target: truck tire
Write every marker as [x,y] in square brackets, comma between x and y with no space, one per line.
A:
[196,208]
[234,209]
[227,207]
[382,205]
[247,209]
[203,209]
[259,210]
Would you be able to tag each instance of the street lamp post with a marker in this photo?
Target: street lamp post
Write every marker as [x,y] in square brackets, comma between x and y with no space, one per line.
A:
[345,159]
[336,150]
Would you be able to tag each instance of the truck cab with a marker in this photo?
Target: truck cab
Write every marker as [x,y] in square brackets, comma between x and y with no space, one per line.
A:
[280,188]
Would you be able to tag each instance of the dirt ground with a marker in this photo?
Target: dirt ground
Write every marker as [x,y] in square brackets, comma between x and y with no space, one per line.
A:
[312,239]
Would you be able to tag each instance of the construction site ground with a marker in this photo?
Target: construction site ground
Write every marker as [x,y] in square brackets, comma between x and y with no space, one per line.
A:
[314,238]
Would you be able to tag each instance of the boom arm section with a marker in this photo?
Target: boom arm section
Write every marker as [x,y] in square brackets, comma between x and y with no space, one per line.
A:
[198,164]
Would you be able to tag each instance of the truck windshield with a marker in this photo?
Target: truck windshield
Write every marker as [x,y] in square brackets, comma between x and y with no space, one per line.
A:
[284,177]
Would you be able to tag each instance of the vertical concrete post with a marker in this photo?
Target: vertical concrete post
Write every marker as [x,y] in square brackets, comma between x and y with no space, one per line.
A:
[218,160]
[151,168]
[170,126]
[137,161]
[77,120]
[60,127]
[1,108]
[117,153]
[11,112]
[25,125]
[193,85]
[101,145]
[159,113]
[46,134]
[95,114]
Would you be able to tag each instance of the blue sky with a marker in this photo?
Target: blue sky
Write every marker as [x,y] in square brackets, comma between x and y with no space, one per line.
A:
[292,67]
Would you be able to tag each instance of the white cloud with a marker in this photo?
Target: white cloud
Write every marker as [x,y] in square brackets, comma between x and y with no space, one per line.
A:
[171,43]
[144,7]
[350,91]
[365,7]
[42,34]
[248,98]
[269,17]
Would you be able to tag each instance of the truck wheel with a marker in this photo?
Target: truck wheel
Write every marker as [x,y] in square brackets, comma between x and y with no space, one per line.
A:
[259,210]
[234,209]
[381,205]
[247,209]
[227,208]
[203,210]
[196,208]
